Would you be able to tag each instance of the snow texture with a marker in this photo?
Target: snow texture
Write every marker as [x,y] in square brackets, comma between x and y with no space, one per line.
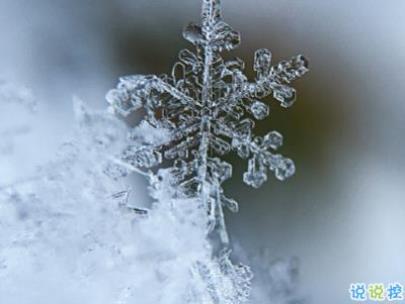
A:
[72,234]
[14,99]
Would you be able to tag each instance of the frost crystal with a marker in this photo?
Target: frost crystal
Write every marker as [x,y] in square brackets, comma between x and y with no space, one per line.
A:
[73,223]
[208,106]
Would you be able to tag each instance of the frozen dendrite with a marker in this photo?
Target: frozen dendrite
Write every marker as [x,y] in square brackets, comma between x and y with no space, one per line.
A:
[72,225]
[208,106]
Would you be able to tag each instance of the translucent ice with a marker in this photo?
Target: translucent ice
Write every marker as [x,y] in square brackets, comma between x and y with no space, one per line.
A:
[208,105]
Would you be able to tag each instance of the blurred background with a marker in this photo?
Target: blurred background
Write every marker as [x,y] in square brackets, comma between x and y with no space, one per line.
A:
[343,214]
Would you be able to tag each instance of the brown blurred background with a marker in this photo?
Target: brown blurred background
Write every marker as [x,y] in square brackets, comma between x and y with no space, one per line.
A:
[343,213]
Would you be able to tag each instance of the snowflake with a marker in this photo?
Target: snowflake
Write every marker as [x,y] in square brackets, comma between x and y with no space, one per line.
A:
[208,107]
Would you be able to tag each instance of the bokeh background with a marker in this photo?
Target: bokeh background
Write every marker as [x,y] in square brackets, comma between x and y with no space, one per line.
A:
[343,213]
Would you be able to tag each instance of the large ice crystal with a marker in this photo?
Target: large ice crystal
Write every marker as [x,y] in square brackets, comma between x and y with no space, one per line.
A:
[74,233]
[208,106]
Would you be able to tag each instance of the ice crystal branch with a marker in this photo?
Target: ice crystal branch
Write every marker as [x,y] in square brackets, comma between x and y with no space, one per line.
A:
[208,106]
